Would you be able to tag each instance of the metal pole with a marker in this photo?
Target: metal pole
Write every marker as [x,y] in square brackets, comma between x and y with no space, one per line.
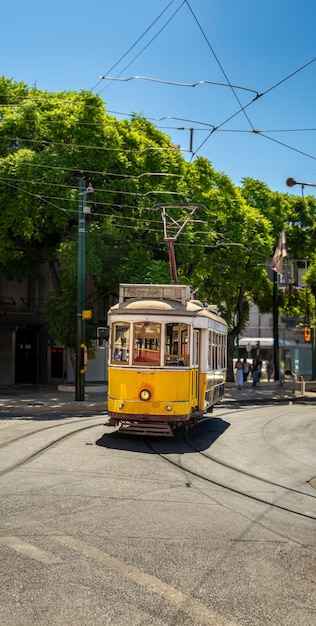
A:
[276,356]
[313,339]
[81,271]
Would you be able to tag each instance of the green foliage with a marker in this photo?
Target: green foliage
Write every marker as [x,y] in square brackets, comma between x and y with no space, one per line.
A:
[50,140]
[310,277]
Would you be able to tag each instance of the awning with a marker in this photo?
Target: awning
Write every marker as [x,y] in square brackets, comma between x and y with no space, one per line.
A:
[265,342]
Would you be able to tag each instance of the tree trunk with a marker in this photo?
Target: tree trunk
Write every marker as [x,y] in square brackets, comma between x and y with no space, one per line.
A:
[236,330]
[230,355]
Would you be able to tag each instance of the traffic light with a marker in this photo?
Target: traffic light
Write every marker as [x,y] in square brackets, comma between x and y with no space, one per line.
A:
[307,333]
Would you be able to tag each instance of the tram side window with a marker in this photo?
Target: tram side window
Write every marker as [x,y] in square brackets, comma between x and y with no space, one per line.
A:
[120,343]
[147,343]
[177,344]
[222,364]
[224,348]
[210,350]
[215,351]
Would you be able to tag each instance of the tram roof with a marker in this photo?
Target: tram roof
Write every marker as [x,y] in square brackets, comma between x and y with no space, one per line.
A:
[162,300]
[165,307]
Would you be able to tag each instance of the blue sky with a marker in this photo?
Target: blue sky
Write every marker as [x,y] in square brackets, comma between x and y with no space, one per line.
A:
[67,45]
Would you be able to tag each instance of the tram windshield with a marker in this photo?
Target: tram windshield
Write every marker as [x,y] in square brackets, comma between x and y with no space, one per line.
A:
[147,343]
[177,344]
[120,342]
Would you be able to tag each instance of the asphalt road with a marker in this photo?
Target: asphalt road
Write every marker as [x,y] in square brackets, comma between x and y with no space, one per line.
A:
[215,528]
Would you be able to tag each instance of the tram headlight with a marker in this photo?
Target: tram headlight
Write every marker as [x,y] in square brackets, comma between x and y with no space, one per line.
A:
[168,408]
[145,395]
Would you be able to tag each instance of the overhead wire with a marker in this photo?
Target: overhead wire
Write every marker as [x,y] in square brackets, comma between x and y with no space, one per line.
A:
[261,95]
[136,42]
[218,61]
[171,82]
[242,109]
[115,205]
[114,122]
[218,128]
[121,226]
[149,43]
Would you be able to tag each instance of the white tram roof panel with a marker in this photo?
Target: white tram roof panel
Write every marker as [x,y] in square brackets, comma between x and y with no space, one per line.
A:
[176,293]
[146,301]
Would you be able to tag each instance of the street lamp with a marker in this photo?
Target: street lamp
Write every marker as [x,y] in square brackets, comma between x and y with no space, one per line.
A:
[290,183]
[81,276]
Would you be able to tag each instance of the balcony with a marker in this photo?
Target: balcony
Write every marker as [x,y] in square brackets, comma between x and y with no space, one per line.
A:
[33,306]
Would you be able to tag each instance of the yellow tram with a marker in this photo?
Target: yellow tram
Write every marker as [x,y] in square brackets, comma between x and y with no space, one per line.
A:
[167,359]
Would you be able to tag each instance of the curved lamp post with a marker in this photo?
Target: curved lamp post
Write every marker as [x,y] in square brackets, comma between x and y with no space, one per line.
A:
[290,183]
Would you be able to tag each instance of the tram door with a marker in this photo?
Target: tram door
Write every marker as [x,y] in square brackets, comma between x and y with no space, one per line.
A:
[195,370]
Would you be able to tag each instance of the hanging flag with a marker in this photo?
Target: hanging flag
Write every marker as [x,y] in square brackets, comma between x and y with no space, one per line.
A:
[280,252]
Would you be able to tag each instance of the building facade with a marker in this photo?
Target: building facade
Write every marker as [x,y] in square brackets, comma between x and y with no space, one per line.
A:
[258,338]
[29,354]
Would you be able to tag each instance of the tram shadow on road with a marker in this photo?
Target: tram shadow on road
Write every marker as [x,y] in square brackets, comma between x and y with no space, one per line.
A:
[197,438]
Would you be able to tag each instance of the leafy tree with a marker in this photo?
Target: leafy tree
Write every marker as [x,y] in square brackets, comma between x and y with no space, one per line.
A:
[50,140]
[229,266]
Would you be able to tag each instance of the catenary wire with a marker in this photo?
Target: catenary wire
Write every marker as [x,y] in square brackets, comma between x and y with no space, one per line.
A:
[222,244]
[231,117]
[261,95]
[150,42]
[218,62]
[176,84]
[136,42]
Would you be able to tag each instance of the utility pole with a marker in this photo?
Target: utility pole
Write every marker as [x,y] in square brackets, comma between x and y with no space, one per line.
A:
[81,278]
[276,354]
[291,182]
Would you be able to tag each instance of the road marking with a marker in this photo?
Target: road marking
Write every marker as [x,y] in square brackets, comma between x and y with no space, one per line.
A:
[193,608]
[29,550]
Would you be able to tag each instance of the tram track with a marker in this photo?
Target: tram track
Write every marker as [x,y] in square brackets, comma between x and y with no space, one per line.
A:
[228,487]
[4,444]
[243,472]
[41,450]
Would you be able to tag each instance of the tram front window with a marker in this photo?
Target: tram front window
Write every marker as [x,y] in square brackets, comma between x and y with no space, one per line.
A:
[147,343]
[120,343]
[177,345]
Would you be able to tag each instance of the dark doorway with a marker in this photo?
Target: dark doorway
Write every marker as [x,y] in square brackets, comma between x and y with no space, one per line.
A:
[26,356]
[57,362]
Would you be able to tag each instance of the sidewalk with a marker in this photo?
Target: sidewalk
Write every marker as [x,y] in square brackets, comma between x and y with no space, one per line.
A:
[52,398]
[269,392]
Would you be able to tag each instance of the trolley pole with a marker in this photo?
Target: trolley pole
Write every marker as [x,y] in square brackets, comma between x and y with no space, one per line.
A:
[172,229]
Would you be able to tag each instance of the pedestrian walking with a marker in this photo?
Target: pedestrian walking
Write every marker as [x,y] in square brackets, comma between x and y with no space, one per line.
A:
[245,369]
[255,372]
[270,369]
[282,372]
[239,374]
